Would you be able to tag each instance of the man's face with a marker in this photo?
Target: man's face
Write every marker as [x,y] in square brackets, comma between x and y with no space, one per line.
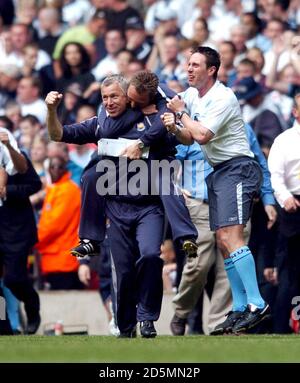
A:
[296,109]
[114,99]
[57,168]
[198,73]
[137,100]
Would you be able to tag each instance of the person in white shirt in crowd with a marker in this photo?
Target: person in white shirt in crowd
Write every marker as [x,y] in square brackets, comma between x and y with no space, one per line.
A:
[216,123]
[20,37]
[11,160]
[75,11]
[239,35]
[284,66]
[114,42]
[284,165]
[28,97]
[276,31]
[184,11]
[202,9]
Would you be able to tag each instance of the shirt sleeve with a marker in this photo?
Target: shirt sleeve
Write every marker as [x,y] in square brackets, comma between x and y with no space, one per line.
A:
[157,129]
[276,166]
[7,162]
[82,133]
[116,127]
[266,190]
[182,150]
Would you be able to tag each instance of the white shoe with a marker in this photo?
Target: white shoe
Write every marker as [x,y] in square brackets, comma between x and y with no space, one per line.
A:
[113,328]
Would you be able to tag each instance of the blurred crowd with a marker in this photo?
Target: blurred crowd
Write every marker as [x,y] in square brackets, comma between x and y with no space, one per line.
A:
[72,45]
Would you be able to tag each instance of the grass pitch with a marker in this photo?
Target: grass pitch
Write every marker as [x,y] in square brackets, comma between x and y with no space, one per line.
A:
[161,349]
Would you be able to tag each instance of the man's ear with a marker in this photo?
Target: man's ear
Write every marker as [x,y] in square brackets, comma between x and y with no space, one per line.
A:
[212,70]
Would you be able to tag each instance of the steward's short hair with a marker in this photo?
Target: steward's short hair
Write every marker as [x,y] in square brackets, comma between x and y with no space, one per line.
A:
[145,81]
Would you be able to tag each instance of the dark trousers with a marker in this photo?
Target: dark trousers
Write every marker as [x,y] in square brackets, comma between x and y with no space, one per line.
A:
[92,213]
[290,230]
[92,221]
[135,235]
[15,277]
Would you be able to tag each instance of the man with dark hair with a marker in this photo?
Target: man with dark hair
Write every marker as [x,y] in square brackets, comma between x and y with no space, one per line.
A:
[216,124]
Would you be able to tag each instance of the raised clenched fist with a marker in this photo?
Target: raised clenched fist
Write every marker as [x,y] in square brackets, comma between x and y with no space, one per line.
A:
[53,99]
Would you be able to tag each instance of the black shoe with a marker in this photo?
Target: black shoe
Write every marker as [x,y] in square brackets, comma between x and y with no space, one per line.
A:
[226,327]
[128,334]
[177,325]
[251,318]
[147,329]
[190,248]
[86,248]
[33,325]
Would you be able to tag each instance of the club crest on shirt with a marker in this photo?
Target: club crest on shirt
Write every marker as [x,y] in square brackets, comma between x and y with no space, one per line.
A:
[140,126]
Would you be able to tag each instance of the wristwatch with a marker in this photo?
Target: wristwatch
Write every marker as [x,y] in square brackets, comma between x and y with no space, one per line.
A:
[140,143]
[180,114]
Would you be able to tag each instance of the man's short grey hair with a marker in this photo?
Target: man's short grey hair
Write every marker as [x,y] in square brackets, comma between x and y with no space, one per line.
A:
[116,78]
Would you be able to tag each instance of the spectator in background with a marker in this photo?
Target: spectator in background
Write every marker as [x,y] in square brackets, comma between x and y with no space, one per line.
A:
[164,60]
[254,36]
[30,60]
[228,52]
[245,68]
[75,66]
[75,12]
[114,43]
[29,126]
[256,56]
[20,37]
[204,9]
[49,28]
[136,39]
[238,36]
[284,164]
[85,34]
[123,59]
[28,97]
[71,101]
[57,229]
[60,149]
[18,230]
[169,269]
[284,74]
[13,112]
[9,80]
[201,33]
[133,67]
[259,112]
[81,154]
[38,155]
[119,12]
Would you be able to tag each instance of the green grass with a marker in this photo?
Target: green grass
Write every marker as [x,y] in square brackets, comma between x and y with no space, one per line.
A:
[162,349]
